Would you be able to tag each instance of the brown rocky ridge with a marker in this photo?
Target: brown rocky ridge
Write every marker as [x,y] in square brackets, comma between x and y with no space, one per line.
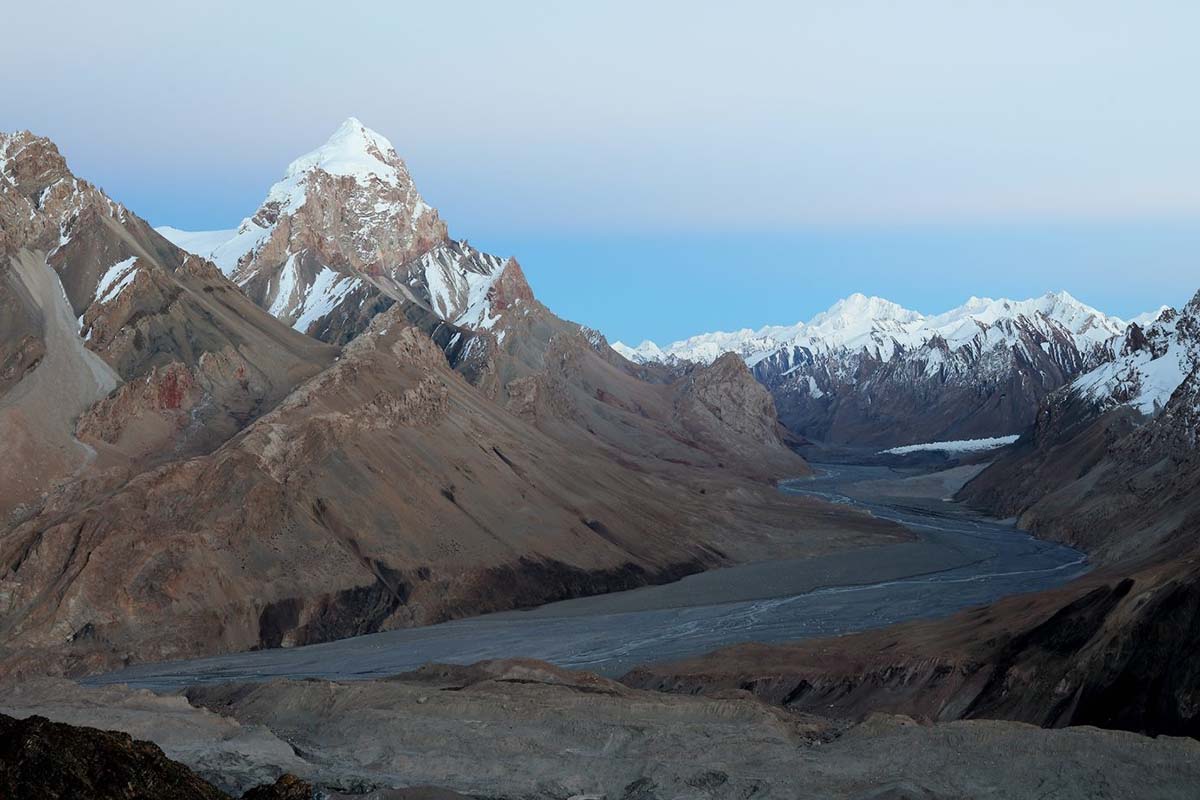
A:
[93,300]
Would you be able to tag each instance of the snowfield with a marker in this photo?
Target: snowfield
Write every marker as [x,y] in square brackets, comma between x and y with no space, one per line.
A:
[957,446]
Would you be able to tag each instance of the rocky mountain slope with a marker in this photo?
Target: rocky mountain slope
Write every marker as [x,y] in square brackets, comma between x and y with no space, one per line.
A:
[384,491]
[231,485]
[871,372]
[40,758]
[92,300]
[1111,462]
[345,235]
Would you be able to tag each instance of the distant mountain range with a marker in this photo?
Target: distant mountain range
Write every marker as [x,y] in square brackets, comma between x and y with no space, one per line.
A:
[871,372]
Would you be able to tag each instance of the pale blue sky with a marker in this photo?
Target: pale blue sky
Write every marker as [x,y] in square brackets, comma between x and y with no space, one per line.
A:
[663,169]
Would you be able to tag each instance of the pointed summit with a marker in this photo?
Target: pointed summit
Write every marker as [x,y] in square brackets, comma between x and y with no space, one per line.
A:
[354,150]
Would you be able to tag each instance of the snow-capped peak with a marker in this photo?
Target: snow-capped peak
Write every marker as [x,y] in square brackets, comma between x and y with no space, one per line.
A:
[644,352]
[857,307]
[1149,317]
[380,213]
[1087,325]
[354,150]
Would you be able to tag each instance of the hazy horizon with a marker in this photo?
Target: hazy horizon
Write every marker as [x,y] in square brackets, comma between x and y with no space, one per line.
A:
[666,171]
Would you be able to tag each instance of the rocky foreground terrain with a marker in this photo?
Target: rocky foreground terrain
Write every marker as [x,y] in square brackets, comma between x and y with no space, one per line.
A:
[528,730]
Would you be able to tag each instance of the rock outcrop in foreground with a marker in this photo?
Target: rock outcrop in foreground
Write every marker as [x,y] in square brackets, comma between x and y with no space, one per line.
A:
[53,761]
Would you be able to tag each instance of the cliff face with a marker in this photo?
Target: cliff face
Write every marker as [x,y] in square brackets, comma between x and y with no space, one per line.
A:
[728,391]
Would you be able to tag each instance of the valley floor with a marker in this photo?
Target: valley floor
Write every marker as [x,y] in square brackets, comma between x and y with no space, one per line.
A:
[358,718]
[955,560]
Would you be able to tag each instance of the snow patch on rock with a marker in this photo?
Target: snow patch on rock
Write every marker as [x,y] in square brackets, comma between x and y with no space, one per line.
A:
[115,279]
[327,291]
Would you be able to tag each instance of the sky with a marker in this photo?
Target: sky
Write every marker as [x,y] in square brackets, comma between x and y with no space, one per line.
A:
[663,169]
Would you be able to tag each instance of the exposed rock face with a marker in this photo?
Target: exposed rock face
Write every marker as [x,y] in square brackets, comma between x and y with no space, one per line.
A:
[728,391]
[53,760]
[343,235]
[870,372]
[286,787]
[40,758]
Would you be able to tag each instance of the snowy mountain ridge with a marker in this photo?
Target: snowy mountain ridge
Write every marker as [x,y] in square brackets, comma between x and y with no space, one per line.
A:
[880,327]
[870,371]
[1150,366]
